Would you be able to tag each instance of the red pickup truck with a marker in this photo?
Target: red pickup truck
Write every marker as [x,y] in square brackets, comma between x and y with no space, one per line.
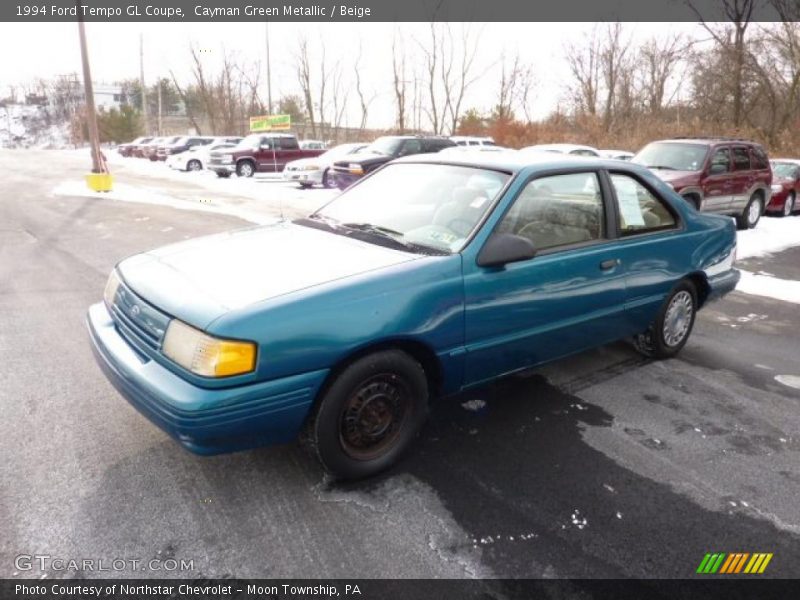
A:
[259,153]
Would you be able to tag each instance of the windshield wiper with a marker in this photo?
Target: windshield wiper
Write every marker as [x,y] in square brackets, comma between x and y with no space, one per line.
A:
[395,237]
[662,167]
[376,228]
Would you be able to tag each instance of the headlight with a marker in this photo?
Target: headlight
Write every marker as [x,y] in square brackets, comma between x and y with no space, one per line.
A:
[205,355]
[311,168]
[111,288]
[777,188]
[356,169]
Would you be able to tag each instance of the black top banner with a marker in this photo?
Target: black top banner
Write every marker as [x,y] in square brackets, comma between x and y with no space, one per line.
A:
[393,10]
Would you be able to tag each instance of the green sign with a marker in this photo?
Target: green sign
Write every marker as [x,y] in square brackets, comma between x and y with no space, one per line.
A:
[271,123]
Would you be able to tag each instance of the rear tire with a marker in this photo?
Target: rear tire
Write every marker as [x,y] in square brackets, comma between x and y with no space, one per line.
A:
[788,205]
[370,414]
[673,325]
[752,212]
[693,201]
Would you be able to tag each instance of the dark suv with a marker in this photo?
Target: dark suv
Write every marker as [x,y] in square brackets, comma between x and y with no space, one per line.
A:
[378,153]
[719,175]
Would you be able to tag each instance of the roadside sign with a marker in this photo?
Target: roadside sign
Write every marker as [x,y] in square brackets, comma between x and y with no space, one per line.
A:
[271,123]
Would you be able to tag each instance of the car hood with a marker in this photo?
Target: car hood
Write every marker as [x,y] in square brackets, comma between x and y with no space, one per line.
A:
[669,175]
[202,279]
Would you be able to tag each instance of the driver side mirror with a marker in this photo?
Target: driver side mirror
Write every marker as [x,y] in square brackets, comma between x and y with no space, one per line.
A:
[503,248]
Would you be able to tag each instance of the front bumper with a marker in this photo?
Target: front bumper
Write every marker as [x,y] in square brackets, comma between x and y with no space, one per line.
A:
[205,421]
[344,180]
[222,168]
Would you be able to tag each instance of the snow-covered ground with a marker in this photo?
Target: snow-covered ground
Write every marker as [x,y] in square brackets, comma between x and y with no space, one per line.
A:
[771,235]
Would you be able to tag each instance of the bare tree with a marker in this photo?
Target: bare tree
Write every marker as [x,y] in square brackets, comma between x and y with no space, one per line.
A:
[399,80]
[463,76]
[731,39]
[584,64]
[514,89]
[658,61]
[304,79]
[187,104]
[365,98]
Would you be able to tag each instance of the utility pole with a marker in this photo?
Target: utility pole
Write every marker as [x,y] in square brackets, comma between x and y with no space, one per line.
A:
[269,75]
[159,107]
[141,82]
[98,165]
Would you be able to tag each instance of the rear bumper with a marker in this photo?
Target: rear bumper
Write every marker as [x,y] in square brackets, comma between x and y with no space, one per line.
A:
[205,421]
[303,176]
[722,284]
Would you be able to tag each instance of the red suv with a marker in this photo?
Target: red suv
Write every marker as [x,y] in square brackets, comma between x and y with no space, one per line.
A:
[720,175]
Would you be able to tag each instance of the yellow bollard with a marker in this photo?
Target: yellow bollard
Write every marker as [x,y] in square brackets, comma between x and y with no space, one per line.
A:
[100,182]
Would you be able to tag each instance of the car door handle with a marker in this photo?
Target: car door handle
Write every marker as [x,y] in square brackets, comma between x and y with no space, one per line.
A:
[610,263]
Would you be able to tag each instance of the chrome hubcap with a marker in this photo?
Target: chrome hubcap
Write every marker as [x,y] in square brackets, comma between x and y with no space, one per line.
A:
[678,318]
[247,170]
[755,211]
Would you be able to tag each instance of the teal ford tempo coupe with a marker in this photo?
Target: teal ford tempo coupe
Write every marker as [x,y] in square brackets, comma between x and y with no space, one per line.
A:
[430,276]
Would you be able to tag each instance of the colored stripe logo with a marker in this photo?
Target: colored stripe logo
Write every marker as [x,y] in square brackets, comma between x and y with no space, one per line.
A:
[735,562]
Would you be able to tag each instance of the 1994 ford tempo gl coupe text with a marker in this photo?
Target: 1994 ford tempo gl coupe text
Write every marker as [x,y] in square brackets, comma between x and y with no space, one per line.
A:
[428,277]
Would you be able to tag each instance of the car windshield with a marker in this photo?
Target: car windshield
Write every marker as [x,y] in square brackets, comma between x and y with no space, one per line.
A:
[251,141]
[673,157]
[384,145]
[786,170]
[426,207]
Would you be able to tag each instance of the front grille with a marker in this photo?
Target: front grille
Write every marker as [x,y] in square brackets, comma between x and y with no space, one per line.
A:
[139,322]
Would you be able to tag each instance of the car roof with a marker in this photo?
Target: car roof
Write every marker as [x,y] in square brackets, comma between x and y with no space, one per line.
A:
[512,161]
[794,161]
[707,141]
[560,147]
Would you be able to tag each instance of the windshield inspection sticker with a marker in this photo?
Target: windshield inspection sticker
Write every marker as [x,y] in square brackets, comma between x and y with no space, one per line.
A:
[628,199]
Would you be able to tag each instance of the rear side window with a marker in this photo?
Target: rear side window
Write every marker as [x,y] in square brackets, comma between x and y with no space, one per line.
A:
[289,144]
[640,211]
[411,147]
[559,210]
[741,159]
[760,160]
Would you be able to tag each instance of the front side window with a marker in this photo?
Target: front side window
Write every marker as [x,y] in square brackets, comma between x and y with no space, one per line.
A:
[559,210]
[640,211]
[720,161]
[429,205]
[411,147]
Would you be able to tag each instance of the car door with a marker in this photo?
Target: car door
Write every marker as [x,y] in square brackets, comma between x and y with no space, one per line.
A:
[742,178]
[716,181]
[650,246]
[569,297]
[265,155]
[289,151]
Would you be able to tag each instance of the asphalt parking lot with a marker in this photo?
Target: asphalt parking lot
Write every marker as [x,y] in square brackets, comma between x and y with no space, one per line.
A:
[602,465]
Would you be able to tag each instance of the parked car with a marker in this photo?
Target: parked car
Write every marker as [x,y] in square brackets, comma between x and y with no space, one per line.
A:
[127,149]
[720,175]
[182,144]
[150,150]
[426,278]
[573,149]
[471,140]
[785,186]
[381,151]
[312,145]
[143,149]
[310,171]
[258,153]
[616,154]
[196,157]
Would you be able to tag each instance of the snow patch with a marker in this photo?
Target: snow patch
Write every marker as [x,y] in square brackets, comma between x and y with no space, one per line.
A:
[129,193]
[771,235]
[792,381]
[786,290]
[474,405]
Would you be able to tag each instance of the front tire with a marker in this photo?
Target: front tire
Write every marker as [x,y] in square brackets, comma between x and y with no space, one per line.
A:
[370,414]
[752,212]
[245,169]
[194,165]
[327,180]
[673,325]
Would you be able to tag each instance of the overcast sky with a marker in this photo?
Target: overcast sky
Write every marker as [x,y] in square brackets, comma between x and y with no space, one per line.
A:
[31,50]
